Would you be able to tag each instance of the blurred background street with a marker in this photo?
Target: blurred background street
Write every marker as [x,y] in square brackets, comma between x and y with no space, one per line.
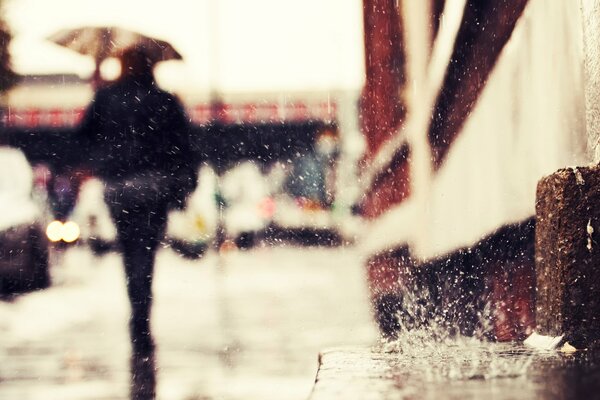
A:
[245,325]
[316,176]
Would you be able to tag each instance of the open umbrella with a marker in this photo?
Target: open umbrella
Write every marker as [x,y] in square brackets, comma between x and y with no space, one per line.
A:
[101,42]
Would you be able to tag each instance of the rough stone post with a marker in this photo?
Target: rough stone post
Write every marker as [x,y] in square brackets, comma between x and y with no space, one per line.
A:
[568,255]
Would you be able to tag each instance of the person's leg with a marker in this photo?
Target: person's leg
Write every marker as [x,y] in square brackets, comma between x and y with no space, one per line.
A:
[139,248]
[139,232]
[139,209]
[140,216]
[138,259]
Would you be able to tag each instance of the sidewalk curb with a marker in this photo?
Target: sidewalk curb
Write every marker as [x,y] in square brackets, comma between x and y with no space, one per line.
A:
[353,373]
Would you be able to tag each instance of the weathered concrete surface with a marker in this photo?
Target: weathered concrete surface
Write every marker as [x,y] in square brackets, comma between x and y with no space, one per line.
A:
[462,369]
[567,254]
[352,373]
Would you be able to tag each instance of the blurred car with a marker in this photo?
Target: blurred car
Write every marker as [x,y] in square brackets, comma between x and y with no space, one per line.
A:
[302,193]
[190,231]
[92,216]
[62,192]
[238,203]
[248,207]
[23,246]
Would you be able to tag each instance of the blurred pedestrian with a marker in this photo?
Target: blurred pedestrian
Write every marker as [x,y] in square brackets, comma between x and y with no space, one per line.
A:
[135,137]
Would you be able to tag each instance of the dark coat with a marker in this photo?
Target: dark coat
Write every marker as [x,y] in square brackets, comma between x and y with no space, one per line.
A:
[134,130]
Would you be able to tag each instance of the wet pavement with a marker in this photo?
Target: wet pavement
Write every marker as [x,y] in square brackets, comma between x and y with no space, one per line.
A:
[463,368]
[248,325]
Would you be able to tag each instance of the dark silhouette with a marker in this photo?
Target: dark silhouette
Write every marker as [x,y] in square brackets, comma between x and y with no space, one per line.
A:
[135,137]
[7,76]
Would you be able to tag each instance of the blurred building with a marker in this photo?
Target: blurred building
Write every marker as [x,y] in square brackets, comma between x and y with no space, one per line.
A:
[7,76]
[467,105]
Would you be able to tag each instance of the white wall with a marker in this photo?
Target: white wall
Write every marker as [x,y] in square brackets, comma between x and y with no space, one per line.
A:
[529,121]
[591,30]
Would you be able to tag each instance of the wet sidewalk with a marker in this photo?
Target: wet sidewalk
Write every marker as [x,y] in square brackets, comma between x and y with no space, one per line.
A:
[248,325]
[353,373]
[455,369]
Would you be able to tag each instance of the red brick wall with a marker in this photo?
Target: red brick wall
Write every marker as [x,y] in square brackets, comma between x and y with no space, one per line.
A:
[382,110]
[389,188]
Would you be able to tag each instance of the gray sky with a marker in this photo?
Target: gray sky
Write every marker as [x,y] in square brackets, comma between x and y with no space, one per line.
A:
[233,45]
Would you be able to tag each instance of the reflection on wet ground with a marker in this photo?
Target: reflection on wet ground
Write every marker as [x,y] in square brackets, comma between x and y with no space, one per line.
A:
[498,370]
[419,367]
[248,325]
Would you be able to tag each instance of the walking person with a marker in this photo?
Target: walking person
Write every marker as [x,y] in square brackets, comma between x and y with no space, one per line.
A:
[135,137]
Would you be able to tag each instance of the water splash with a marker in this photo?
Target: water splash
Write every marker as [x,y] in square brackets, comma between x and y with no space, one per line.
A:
[431,357]
[430,347]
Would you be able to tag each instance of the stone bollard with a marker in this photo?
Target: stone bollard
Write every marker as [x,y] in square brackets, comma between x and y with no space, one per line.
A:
[567,255]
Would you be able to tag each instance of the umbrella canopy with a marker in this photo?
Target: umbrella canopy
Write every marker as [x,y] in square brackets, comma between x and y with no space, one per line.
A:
[101,42]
